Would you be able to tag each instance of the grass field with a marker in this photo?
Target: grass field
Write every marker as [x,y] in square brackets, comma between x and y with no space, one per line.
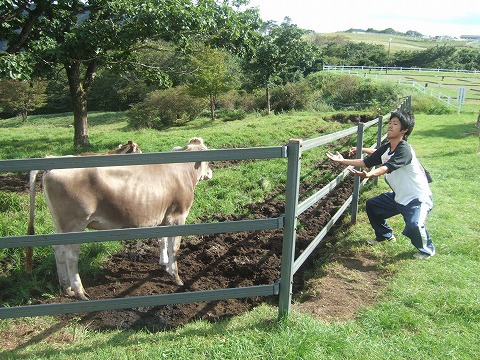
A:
[427,310]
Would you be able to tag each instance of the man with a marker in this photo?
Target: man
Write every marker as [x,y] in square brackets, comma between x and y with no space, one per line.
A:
[411,195]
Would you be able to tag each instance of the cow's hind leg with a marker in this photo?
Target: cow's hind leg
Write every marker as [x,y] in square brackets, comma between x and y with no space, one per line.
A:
[72,256]
[162,243]
[173,244]
[66,257]
[61,261]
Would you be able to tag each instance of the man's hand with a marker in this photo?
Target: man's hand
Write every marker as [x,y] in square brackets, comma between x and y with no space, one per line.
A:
[363,174]
[335,157]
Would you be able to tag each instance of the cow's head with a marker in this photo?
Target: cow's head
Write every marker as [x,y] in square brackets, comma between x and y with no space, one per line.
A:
[129,148]
[196,144]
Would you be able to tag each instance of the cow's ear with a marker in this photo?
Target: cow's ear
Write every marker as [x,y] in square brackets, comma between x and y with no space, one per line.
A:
[196,141]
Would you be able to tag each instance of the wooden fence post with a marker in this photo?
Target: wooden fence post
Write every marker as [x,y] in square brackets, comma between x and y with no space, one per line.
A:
[356,183]
[290,228]
[379,140]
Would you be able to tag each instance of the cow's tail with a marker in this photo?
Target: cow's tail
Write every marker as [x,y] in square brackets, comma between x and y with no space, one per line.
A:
[31,222]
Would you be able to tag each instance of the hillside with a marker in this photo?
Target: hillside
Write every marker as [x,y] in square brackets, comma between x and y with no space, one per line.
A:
[400,43]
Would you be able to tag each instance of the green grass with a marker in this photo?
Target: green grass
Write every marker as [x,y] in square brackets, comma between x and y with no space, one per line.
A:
[428,310]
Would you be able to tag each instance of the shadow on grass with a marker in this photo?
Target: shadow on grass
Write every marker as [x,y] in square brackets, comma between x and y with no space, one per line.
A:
[64,119]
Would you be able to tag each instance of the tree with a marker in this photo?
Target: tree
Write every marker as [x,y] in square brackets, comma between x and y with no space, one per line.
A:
[22,96]
[280,54]
[82,36]
[359,54]
[214,74]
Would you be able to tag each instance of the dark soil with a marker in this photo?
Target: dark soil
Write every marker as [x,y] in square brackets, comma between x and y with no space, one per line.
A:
[225,261]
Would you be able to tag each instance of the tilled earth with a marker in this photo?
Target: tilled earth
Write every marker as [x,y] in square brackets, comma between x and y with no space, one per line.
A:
[221,261]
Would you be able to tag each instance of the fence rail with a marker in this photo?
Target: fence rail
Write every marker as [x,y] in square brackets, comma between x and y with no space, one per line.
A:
[288,222]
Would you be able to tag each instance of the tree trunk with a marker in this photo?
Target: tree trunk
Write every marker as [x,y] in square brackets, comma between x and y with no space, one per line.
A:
[80,124]
[78,90]
[267,94]
[212,107]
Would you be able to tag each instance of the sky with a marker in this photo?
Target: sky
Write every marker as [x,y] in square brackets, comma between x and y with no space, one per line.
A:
[434,18]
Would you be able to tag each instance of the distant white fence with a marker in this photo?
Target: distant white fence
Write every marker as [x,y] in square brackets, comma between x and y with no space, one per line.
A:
[396,68]
[445,99]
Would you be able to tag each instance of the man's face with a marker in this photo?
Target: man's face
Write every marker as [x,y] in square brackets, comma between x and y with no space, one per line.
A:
[395,129]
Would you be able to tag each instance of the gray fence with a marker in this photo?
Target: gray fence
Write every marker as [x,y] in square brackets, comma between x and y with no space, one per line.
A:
[288,221]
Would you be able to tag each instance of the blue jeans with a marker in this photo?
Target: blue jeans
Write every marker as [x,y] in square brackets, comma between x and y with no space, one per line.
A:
[382,207]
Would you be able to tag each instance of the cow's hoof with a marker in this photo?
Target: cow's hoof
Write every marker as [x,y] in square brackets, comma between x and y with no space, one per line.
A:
[83,297]
[69,292]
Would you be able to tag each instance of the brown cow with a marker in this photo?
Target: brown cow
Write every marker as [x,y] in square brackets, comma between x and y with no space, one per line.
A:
[129,148]
[121,197]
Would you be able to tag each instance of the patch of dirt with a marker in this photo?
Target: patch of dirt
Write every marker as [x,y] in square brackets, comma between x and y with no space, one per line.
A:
[225,261]
[349,117]
[18,182]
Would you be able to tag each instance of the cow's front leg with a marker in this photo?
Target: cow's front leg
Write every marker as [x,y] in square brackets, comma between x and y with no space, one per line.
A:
[173,244]
[72,255]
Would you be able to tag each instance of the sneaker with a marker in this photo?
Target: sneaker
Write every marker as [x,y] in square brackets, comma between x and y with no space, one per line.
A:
[378,241]
[421,255]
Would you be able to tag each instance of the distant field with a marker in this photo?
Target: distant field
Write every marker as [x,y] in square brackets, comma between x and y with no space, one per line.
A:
[400,43]
[446,83]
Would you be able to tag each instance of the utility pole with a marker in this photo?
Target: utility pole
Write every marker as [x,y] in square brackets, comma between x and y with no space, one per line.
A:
[388,54]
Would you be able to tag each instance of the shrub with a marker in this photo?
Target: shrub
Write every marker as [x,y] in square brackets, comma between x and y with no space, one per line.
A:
[240,100]
[292,96]
[164,108]
[321,79]
[430,106]
[230,115]
[348,91]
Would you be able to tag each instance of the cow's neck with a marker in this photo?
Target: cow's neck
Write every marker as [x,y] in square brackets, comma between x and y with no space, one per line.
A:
[196,172]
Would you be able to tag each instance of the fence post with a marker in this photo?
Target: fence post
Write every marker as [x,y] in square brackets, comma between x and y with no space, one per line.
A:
[379,140]
[356,183]
[289,228]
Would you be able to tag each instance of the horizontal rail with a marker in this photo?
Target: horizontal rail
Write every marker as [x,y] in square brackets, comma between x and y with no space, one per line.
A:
[325,139]
[68,162]
[370,123]
[141,233]
[138,301]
